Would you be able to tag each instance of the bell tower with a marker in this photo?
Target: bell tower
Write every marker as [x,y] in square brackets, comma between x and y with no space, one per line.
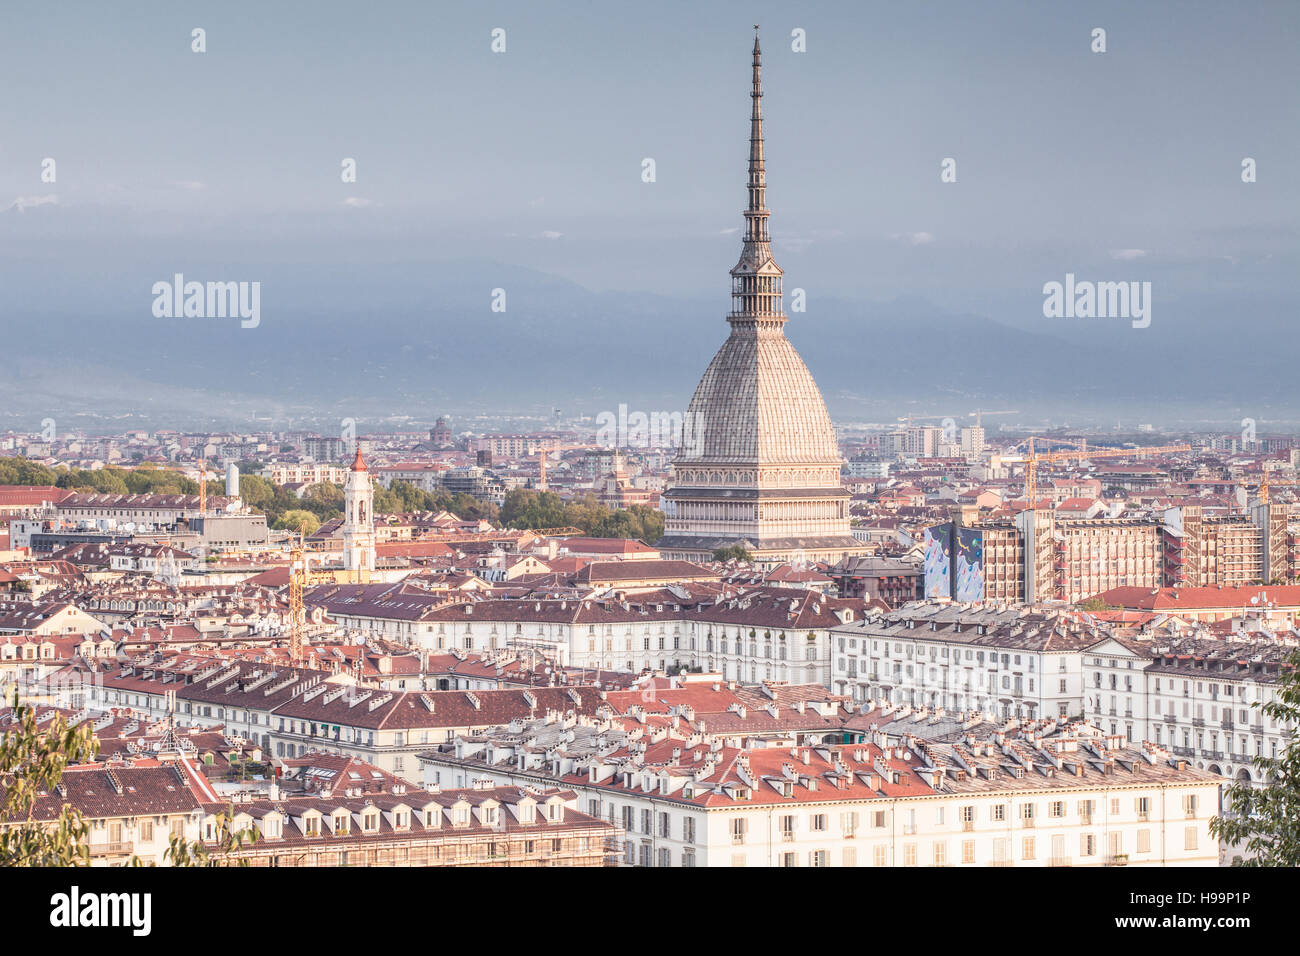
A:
[359,521]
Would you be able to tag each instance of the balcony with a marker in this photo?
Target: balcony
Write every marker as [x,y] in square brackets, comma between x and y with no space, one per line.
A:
[1058,861]
[121,848]
[1117,859]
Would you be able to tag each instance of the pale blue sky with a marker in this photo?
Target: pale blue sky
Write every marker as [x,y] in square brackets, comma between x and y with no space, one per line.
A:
[1120,166]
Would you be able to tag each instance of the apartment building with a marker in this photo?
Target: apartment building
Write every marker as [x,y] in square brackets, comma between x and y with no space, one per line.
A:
[289,712]
[134,807]
[1199,697]
[761,633]
[153,510]
[1041,555]
[1016,662]
[1202,550]
[1040,794]
[494,826]
[304,473]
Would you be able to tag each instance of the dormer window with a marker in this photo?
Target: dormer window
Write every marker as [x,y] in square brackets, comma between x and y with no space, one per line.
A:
[490,816]
[370,821]
[527,813]
[460,817]
[342,823]
[555,812]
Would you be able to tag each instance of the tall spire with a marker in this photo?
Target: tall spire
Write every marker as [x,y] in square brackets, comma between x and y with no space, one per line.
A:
[756,279]
[756,212]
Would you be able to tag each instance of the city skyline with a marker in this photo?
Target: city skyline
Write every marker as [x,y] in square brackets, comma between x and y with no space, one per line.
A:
[390,477]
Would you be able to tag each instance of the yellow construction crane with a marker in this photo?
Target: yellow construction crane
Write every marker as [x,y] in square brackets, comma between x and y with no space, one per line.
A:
[297,617]
[1032,459]
[203,487]
[1264,483]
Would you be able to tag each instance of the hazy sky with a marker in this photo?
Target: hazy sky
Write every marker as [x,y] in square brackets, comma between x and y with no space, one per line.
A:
[1123,165]
[1062,153]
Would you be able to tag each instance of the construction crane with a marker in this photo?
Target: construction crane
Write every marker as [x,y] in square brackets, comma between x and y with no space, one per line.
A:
[1032,459]
[203,487]
[1264,484]
[297,616]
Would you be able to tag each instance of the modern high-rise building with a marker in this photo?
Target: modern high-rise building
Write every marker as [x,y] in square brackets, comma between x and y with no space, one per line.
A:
[763,470]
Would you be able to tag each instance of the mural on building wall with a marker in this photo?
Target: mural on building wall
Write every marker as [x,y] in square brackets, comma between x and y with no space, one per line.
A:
[938,551]
[970,565]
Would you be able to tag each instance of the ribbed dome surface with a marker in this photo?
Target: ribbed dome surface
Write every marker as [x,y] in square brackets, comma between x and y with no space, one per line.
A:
[757,403]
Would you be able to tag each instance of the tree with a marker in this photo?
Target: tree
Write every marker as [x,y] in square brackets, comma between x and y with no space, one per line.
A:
[735,552]
[20,471]
[31,764]
[1094,604]
[293,520]
[1267,819]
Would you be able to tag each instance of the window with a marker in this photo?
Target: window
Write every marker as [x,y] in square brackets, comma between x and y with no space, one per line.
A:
[665,828]
[1189,806]
[999,811]
[880,856]
[738,828]
[688,857]
[818,858]
[1027,848]
[787,827]
[789,859]
[1087,845]
[1056,809]
[819,822]
[688,832]
[1144,841]
[1189,838]
[968,851]
[909,854]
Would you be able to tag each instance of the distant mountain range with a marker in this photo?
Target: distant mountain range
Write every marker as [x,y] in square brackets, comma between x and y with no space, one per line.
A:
[418,338]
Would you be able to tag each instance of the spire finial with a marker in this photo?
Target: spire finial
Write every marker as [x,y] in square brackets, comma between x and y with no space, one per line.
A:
[756,285]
